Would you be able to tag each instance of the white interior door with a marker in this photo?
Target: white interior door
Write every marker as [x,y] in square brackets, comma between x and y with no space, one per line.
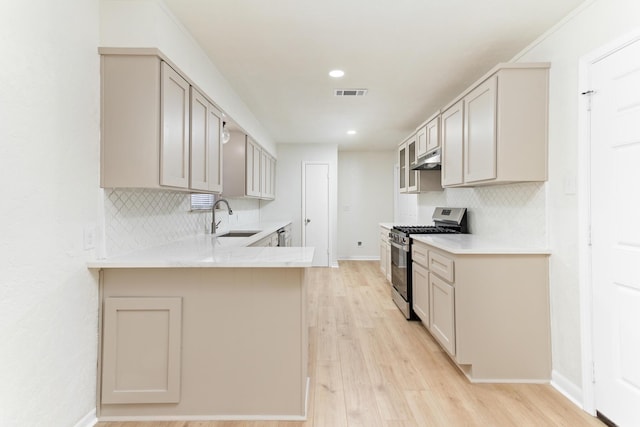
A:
[615,231]
[315,211]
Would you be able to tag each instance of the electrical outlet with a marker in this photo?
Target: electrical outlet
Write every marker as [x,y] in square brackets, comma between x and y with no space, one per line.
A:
[89,238]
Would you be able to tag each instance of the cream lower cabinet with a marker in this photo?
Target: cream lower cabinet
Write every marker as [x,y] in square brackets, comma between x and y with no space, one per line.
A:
[270,240]
[489,312]
[420,289]
[496,132]
[385,253]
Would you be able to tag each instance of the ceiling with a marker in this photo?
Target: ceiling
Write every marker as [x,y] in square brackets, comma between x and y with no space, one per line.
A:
[413,56]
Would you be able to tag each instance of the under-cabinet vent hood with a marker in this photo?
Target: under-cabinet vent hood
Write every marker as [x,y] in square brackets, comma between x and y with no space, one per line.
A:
[429,162]
[350,92]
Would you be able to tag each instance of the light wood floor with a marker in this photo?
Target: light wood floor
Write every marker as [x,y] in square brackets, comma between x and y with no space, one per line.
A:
[370,367]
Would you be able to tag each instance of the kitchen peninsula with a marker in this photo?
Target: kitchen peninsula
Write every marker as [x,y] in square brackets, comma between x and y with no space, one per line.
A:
[204,328]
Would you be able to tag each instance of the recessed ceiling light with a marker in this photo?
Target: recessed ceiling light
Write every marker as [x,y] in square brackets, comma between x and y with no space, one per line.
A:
[351,132]
[336,73]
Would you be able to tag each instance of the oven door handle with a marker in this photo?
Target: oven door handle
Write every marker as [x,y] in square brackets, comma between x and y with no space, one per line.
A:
[402,248]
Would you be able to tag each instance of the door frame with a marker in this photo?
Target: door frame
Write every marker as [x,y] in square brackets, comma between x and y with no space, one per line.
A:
[584,214]
[303,207]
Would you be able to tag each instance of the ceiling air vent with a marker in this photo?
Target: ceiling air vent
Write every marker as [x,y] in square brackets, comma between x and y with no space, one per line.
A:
[350,92]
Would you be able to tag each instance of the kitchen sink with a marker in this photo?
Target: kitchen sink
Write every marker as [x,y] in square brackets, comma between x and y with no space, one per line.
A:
[240,233]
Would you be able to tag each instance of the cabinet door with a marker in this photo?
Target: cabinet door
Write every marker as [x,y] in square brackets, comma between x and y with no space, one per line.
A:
[402,161]
[432,135]
[420,287]
[252,169]
[174,146]
[421,141]
[480,132]
[412,176]
[452,145]
[389,262]
[214,144]
[442,315]
[272,191]
[141,350]
[206,148]
[199,149]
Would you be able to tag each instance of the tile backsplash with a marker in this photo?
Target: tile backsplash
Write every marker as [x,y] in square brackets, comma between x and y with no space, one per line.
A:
[512,212]
[139,218]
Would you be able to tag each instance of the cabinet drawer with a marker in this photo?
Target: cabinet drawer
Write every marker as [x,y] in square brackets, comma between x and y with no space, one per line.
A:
[441,265]
[419,254]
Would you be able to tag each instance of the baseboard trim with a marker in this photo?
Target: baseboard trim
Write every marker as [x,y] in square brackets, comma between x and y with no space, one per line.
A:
[211,417]
[205,418]
[359,258]
[88,420]
[567,388]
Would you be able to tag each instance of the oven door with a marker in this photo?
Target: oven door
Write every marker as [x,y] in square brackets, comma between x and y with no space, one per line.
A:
[399,274]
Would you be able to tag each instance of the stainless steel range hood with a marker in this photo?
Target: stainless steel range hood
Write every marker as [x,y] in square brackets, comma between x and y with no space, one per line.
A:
[429,162]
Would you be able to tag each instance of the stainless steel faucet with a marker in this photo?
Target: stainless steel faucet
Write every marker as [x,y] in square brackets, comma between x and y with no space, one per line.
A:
[214,226]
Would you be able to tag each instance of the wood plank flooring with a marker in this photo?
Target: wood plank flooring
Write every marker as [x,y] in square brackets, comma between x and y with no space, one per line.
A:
[370,367]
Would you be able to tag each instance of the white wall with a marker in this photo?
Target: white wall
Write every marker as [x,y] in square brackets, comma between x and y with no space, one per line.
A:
[365,199]
[595,24]
[288,202]
[149,23]
[49,148]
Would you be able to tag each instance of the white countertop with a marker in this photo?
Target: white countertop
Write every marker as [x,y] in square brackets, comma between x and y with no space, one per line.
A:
[214,251]
[471,244]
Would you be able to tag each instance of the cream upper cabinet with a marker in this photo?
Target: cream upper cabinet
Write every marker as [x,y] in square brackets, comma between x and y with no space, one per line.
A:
[412,157]
[146,125]
[452,145]
[428,136]
[421,141]
[249,170]
[174,116]
[415,181]
[206,147]
[253,159]
[267,176]
[433,133]
[403,167]
[504,120]
[480,132]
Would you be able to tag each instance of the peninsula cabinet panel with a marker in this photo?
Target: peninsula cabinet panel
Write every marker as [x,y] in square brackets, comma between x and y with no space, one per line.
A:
[141,350]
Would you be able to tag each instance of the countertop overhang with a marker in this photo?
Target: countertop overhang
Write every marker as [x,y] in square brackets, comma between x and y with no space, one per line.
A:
[476,245]
[215,251]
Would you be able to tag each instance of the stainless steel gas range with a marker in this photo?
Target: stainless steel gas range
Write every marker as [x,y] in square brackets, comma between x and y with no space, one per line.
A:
[446,221]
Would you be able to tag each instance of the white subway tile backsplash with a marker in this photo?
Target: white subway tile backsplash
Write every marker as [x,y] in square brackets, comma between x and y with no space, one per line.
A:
[512,212]
[136,219]
[141,218]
